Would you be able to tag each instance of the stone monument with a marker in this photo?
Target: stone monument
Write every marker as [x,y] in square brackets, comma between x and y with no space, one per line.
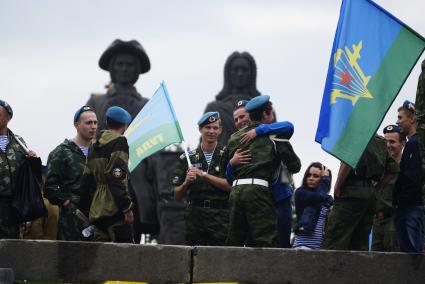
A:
[240,77]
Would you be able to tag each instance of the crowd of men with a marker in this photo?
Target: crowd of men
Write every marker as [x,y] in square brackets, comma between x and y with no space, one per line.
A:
[384,191]
[237,194]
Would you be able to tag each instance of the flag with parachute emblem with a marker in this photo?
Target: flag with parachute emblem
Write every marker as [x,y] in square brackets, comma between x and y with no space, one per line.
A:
[154,128]
[372,55]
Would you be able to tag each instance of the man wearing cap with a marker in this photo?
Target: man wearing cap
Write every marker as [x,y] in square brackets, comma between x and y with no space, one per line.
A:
[351,218]
[252,216]
[12,156]
[65,167]
[207,192]
[282,187]
[407,196]
[104,184]
[383,232]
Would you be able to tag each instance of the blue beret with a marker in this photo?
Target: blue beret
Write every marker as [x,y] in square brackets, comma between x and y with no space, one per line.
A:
[391,128]
[118,114]
[241,103]
[209,117]
[409,106]
[80,111]
[7,107]
[256,103]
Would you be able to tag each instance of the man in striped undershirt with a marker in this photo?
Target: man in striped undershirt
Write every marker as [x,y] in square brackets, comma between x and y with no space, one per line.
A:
[203,183]
[65,167]
[12,155]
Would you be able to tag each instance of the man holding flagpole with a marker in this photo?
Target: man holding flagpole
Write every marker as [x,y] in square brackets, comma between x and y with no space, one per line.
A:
[207,214]
[372,55]
[351,218]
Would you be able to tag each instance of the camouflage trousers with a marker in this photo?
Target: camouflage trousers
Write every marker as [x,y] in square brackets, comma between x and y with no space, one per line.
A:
[252,217]
[9,225]
[118,232]
[384,235]
[349,224]
[67,226]
[206,226]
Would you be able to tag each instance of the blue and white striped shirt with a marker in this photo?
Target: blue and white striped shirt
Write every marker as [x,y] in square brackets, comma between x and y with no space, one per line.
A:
[314,240]
[208,157]
[85,150]
[4,141]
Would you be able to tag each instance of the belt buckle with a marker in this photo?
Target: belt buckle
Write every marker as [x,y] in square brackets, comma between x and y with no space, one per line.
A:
[207,204]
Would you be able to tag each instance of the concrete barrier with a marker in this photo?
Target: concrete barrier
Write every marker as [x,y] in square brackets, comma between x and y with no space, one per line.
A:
[84,262]
[95,262]
[253,265]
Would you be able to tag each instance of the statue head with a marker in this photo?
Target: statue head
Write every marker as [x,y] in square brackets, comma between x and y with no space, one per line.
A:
[125,60]
[240,75]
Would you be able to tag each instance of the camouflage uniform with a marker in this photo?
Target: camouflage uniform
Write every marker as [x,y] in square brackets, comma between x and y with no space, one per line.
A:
[252,215]
[207,215]
[10,161]
[104,187]
[65,167]
[351,217]
[420,118]
[384,237]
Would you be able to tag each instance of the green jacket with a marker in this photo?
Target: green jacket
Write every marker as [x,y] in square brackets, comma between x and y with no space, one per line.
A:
[374,163]
[10,161]
[104,183]
[266,156]
[65,167]
[201,189]
[384,197]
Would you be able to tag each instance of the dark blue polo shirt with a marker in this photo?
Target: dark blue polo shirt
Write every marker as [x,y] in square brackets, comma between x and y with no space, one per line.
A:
[408,187]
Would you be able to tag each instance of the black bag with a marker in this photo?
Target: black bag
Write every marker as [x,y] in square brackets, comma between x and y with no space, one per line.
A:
[27,199]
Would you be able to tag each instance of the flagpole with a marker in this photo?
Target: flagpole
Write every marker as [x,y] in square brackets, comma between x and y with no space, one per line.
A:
[189,164]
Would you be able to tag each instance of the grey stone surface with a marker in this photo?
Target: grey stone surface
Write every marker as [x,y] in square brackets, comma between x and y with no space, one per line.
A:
[7,276]
[256,265]
[82,261]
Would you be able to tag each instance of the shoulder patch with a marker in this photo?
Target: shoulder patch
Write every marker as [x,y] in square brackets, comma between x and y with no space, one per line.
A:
[176,179]
[191,153]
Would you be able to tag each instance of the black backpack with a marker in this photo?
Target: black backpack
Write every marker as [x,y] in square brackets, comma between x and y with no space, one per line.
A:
[27,199]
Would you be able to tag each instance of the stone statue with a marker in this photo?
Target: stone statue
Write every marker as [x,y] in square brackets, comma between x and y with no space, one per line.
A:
[125,61]
[240,76]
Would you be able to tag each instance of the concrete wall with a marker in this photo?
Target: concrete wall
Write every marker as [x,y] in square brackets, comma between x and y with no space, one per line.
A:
[79,261]
[297,266]
[83,262]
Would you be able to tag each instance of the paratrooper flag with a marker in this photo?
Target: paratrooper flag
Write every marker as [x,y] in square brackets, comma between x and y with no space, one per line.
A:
[372,55]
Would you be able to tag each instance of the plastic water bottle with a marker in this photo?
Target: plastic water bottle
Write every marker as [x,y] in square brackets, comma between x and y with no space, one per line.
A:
[87,232]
